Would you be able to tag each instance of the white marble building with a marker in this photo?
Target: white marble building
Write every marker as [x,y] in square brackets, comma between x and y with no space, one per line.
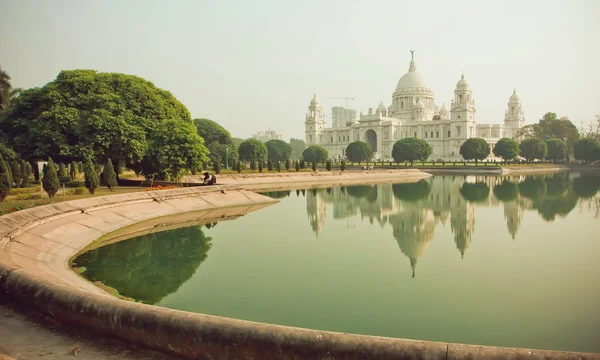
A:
[413,113]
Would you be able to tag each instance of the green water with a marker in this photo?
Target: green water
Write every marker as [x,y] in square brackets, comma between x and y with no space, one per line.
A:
[506,261]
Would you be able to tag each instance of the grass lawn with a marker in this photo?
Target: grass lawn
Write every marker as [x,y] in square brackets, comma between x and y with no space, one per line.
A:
[12,203]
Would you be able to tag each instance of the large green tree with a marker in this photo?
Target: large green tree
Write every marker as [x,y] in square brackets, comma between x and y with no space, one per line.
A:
[85,113]
[315,153]
[551,126]
[475,149]
[174,149]
[586,149]
[298,146]
[557,149]
[252,150]
[278,150]
[534,148]
[218,141]
[411,149]
[506,148]
[5,89]
[358,151]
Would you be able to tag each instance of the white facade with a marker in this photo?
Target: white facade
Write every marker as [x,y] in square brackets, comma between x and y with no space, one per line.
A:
[265,136]
[414,114]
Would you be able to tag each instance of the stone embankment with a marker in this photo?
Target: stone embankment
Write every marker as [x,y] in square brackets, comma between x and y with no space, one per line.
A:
[299,180]
[37,244]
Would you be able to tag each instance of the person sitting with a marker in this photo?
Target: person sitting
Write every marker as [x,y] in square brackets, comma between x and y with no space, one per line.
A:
[209,179]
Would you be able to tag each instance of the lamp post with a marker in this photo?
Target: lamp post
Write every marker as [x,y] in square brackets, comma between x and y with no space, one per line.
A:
[227,158]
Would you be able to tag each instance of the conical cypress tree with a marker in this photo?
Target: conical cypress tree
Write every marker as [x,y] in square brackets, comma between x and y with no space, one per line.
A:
[314,166]
[91,176]
[15,167]
[270,165]
[73,170]
[260,166]
[217,167]
[288,164]
[110,177]
[239,167]
[4,184]
[278,166]
[297,165]
[25,171]
[62,171]
[8,173]
[50,181]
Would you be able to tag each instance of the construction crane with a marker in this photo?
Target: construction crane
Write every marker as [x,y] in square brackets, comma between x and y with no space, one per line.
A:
[342,98]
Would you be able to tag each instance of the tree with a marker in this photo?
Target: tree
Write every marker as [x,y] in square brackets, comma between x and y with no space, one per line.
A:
[260,166]
[7,152]
[298,147]
[217,140]
[4,184]
[314,166]
[315,153]
[174,148]
[110,177]
[343,165]
[278,150]
[90,176]
[534,148]
[217,167]
[17,175]
[557,149]
[73,170]
[586,149]
[239,167]
[328,165]
[270,165]
[278,166]
[297,165]
[359,151]
[552,127]
[26,171]
[411,149]
[50,181]
[62,171]
[506,148]
[5,88]
[252,150]
[475,149]
[84,113]
[288,164]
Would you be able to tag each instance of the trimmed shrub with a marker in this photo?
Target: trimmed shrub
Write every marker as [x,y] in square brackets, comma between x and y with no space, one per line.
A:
[260,166]
[297,165]
[50,181]
[76,191]
[270,165]
[343,165]
[278,166]
[328,165]
[302,164]
[314,166]
[252,165]
[110,177]
[288,164]
[17,175]
[91,176]
[4,184]
[62,170]
[239,167]
[26,171]
[73,170]
[30,196]
[217,167]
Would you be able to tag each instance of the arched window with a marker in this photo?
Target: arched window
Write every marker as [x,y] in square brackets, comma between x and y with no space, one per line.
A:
[459,98]
[402,104]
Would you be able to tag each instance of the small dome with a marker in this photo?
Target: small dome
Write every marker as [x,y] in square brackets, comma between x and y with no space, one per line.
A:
[381,107]
[462,84]
[419,105]
[514,98]
[315,101]
[443,110]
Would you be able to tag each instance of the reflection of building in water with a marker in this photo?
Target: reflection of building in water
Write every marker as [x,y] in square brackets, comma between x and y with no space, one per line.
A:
[513,213]
[414,230]
[316,209]
[462,223]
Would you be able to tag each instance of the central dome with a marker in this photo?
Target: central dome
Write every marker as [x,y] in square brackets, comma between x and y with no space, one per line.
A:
[411,79]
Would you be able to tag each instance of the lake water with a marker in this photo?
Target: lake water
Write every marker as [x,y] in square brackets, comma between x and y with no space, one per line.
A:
[505,261]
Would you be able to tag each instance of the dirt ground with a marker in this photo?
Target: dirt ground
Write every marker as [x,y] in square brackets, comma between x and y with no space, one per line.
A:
[26,335]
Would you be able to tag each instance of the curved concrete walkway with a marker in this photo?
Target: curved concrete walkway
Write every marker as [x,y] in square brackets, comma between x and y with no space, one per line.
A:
[36,246]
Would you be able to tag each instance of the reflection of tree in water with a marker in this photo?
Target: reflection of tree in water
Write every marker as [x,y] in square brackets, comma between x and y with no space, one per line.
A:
[278,194]
[587,185]
[412,192]
[149,267]
[550,195]
[506,191]
[477,192]
[367,192]
[533,188]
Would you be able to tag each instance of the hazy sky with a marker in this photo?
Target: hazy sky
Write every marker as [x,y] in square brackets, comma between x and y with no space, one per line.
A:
[252,65]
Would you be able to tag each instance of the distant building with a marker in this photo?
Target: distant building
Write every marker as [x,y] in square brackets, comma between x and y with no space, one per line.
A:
[342,117]
[414,114]
[265,136]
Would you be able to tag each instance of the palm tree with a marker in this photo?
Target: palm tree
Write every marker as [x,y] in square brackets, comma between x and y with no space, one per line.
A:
[5,89]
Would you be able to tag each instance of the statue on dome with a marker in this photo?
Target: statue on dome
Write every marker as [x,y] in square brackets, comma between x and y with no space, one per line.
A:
[412,54]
